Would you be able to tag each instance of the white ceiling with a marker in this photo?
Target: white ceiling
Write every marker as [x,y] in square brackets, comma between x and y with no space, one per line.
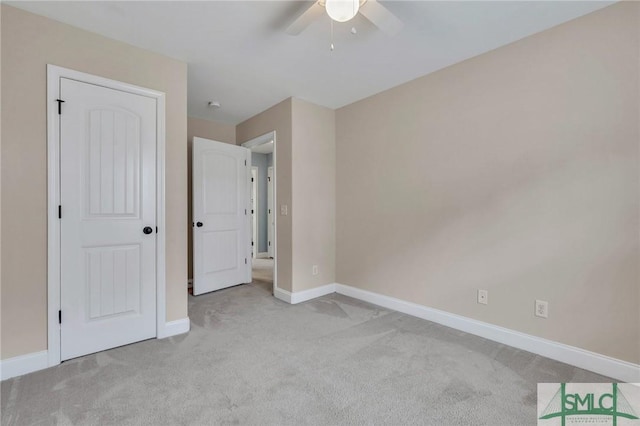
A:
[265,148]
[239,54]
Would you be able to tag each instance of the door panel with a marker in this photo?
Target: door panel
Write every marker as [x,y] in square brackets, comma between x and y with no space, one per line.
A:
[220,247]
[113,164]
[221,235]
[108,195]
[220,182]
[113,280]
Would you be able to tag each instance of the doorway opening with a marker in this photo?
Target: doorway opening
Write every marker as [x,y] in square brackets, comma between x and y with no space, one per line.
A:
[263,163]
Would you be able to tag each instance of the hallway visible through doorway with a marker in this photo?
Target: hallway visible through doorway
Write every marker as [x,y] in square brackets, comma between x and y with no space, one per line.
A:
[262,273]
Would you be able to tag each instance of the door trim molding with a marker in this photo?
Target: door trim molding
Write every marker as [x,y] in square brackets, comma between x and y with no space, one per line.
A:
[255,220]
[54,73]
[173,328]
[267,137]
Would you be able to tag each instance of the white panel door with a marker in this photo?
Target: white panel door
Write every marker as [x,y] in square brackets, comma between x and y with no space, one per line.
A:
[270,214]
[221,233]
[108,197]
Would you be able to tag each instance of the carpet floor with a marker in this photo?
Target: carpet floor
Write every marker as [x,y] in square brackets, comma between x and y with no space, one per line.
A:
[252,359]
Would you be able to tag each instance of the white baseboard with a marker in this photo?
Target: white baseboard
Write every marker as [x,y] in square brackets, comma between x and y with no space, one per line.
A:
[173,328]
[303,296]
[601,364]
[23,364]
[281,294]
[35,361]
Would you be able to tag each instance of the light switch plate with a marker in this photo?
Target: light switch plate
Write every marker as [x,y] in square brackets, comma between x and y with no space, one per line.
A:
[284,210]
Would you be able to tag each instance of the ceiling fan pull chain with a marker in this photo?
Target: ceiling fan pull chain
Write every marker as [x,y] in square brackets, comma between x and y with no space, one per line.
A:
[331,46]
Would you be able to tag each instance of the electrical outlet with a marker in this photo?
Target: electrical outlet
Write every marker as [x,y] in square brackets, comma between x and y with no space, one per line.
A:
[542,309]
[314,269]
[483,297]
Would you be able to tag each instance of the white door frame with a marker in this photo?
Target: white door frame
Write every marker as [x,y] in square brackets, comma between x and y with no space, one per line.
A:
[270,211]
[267,137]
[255,220]
[54,74]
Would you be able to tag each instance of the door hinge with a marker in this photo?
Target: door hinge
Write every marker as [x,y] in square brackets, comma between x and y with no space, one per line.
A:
[156,229]
[251,243]
[59,317]
[245,162]
[60,102]
[59,212]
[251,179]
[269,243]
[245,211]
[245,260]
[269,178]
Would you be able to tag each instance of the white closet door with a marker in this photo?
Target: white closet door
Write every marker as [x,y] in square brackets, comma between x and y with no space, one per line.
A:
[108,207]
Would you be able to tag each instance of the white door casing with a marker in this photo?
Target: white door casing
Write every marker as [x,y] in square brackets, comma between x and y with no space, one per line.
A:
[221,233]
[108,195]
[270,213]
[254,212]
[272,225]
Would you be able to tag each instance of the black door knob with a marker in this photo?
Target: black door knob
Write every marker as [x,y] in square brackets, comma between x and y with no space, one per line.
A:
[199,224]
[147,230]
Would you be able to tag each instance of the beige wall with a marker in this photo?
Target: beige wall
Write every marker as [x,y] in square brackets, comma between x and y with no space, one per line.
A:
[207,129]
[313,188]
[210,129]
[277,118]
[515,171]
[305,168]
[29,43]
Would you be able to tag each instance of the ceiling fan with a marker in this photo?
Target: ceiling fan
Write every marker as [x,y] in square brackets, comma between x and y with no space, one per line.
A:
[344,10]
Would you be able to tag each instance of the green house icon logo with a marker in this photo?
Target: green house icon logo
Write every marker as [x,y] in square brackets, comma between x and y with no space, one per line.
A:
[614,405]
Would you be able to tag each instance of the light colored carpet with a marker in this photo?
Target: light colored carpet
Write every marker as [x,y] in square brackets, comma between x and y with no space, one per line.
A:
[252,359]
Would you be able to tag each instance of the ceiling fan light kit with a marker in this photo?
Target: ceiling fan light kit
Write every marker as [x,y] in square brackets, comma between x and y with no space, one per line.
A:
[345,10]
[342,10]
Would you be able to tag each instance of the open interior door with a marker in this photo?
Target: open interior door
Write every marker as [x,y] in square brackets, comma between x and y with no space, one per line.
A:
[221,219]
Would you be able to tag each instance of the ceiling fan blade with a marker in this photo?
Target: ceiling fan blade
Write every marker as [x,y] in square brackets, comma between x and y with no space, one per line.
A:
[381,17]
[305,19]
